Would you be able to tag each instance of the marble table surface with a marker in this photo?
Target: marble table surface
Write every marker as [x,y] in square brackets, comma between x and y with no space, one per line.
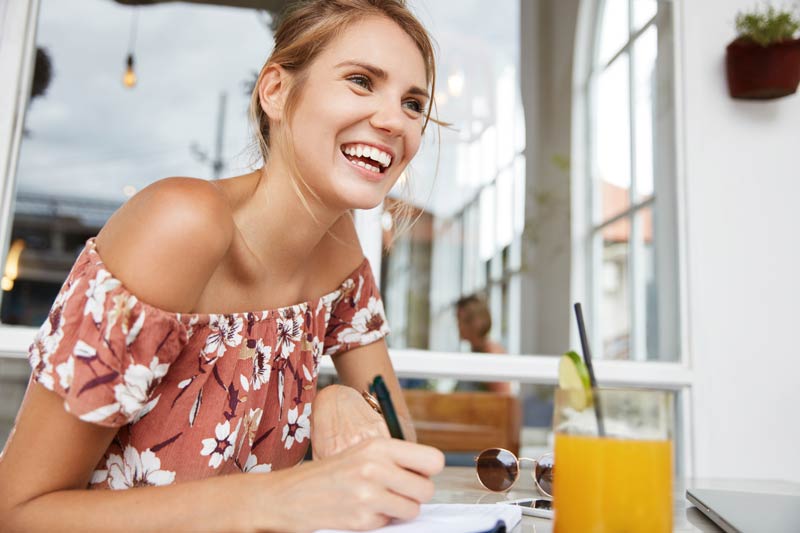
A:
[458,484]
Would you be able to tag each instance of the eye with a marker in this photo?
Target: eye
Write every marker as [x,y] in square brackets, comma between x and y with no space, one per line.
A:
[361,80]
[414,105]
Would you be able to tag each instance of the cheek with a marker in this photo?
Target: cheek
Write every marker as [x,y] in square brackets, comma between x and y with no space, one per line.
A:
[412,144]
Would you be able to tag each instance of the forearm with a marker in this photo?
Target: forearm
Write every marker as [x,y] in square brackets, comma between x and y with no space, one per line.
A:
[214,504]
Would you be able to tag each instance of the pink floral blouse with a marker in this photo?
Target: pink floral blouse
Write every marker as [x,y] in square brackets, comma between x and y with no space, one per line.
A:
[194,395]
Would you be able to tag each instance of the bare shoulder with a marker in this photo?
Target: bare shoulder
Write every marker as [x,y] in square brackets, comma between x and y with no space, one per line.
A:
[337,255]
[166,242]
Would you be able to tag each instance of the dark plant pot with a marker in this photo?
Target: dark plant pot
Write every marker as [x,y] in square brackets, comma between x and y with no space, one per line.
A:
[758,72]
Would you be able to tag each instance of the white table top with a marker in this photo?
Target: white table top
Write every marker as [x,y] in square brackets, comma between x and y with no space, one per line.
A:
[459,484]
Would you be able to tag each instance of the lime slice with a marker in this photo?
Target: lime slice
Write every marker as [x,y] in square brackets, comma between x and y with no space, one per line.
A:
[574,377]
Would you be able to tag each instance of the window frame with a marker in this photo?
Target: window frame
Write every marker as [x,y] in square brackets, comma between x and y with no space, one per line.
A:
[18,21]
[587,200]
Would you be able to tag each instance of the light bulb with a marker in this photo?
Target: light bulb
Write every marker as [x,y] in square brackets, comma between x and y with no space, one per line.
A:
[129,79]
[12,264]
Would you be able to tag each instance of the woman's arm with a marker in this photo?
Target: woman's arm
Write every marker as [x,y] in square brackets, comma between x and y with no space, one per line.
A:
[50,457]
[358,367]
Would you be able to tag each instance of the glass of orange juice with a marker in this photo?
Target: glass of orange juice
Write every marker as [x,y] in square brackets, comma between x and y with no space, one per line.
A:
[622,480]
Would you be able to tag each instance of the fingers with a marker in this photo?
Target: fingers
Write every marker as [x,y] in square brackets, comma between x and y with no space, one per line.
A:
[396,506]
[409,485]
[426,460]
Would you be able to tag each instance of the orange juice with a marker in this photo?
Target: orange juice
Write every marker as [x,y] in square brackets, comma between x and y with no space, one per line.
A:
[612,485]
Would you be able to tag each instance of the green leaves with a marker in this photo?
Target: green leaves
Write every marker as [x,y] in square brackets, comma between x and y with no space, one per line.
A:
[768,26]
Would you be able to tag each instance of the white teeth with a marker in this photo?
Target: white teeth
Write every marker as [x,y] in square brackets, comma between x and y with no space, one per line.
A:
[367,166]
[363,150]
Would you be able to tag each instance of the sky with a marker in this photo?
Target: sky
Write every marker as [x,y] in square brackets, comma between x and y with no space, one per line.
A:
[90,137]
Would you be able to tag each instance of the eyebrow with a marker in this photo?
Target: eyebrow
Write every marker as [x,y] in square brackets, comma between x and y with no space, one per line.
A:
[381,74]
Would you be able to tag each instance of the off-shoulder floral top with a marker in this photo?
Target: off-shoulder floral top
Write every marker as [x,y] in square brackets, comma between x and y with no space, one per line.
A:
[194,395]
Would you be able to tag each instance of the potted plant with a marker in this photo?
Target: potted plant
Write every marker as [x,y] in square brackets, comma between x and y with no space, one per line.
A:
[764,60]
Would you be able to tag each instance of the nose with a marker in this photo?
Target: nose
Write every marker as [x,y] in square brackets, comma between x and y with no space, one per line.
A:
[388,118]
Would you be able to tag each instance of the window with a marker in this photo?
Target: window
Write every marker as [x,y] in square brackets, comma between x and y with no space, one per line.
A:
[90,142]
[469,194]
[628,239]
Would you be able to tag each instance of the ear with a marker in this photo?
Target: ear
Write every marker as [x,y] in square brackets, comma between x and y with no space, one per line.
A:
[273,86]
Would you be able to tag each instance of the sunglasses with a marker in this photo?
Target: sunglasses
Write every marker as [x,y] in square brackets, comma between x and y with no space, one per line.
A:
[498,469]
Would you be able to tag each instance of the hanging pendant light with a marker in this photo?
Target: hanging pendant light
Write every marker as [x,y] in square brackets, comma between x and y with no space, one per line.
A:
[129,78]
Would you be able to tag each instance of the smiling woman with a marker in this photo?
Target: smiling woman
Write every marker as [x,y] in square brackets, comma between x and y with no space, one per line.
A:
[184,347]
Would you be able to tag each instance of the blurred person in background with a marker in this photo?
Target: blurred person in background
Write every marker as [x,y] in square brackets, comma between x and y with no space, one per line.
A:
[474,325]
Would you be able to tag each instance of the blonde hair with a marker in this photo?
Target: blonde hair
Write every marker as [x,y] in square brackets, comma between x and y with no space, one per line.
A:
[305,29]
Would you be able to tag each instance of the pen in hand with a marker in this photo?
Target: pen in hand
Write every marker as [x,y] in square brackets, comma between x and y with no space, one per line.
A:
[381,392]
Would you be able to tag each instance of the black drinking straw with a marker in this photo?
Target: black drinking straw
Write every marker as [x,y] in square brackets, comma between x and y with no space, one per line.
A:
[587,356]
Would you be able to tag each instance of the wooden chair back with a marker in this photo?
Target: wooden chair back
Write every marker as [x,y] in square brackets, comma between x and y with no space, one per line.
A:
[465,421]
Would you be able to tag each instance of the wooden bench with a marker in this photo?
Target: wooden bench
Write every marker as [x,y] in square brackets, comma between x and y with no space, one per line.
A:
[465,421]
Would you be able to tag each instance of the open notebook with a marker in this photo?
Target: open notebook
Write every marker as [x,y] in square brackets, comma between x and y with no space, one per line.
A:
[455,518]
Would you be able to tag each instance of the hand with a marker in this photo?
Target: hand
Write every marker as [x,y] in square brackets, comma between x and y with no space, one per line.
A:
[340,419]
[364,487]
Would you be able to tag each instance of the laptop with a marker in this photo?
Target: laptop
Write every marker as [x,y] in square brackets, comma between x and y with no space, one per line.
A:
[748,512]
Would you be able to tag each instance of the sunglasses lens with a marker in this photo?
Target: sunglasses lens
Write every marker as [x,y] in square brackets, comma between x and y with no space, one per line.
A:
[497,469]
[544,473]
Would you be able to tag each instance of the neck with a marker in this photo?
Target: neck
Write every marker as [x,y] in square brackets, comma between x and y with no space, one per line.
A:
[278,228]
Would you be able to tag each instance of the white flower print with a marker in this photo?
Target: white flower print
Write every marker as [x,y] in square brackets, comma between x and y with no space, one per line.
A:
[317,348]
[262,369]
[297,428]
[290,328]
[249,426]
[251,465]
[220,448]
[48,339]
[96,294]
[328,309]
[190,328]
[134,470]
[133,393]
[357,297]
[122,305]
[368,324]
[66,371]
[226,331]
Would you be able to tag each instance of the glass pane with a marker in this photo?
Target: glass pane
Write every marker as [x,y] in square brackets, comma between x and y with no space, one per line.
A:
[614,311]
[475,180]
[612,139]
[646,271]
[614,29]
[90,142]
[645,54]
[643,11]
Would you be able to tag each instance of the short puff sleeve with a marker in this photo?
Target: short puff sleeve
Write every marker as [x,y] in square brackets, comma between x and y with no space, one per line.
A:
[357,315]
[103,350]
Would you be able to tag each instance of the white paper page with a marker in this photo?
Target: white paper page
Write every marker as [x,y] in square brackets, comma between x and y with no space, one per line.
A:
[453,518]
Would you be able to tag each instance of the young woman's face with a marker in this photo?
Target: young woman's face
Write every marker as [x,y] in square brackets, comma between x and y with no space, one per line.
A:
[359,119]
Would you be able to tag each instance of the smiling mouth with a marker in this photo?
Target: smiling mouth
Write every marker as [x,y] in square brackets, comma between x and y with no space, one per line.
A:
[367,157]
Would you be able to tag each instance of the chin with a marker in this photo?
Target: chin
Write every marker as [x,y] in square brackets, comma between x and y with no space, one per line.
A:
[362,201]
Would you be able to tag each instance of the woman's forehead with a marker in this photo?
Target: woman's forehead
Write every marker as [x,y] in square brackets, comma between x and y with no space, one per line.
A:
[379,42]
